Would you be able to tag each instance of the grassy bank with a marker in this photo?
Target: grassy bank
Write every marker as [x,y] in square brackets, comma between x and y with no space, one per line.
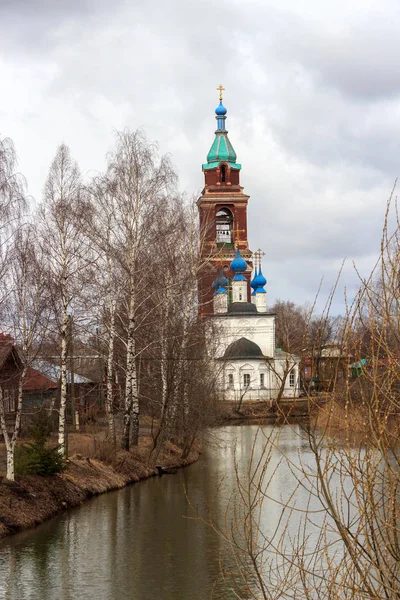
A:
[33,499]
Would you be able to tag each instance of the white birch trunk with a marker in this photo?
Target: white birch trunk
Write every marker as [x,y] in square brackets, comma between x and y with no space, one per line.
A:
[18,416]
[110,375]
[10,442]
[63,386]
[164,357]
[131,411]
[7,440]
[164,375]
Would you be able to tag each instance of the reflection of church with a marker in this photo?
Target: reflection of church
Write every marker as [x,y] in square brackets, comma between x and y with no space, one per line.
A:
[231,291]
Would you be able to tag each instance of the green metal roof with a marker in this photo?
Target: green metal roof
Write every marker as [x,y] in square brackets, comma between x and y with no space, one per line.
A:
[221,151]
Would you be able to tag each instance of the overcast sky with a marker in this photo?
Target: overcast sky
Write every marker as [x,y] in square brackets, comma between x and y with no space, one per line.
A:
[313,99]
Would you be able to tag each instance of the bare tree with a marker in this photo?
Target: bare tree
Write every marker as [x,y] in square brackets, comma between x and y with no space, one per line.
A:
[136,180]
[65,255]
[102,231]
[12,206]
[291,325]
[12,185]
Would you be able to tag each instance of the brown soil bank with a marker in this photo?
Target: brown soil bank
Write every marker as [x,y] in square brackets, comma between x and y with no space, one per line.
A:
[33,499]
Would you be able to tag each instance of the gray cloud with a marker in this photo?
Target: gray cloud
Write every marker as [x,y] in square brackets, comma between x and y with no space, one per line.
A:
[312,91]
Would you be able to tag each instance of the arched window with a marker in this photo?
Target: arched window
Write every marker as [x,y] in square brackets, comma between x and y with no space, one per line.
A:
[224,223]
[223,173]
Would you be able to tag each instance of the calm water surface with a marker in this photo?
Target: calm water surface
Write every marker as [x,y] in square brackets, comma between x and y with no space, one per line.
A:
[136,543]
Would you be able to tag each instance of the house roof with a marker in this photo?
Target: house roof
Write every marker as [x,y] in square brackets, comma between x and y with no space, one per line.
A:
[53,371]
[36,381]
[87,362]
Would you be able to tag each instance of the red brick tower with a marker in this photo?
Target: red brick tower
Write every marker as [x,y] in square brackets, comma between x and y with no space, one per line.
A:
[223,214]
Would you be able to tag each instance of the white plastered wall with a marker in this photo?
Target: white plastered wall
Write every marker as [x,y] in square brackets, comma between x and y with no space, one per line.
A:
[274,372]
[258,329]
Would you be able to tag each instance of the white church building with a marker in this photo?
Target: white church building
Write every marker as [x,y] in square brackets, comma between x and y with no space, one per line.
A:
[250,366]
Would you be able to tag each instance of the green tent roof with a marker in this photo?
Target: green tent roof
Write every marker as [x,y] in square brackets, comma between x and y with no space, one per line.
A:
[221,151]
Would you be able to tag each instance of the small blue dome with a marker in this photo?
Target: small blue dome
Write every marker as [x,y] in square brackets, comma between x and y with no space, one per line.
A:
[238,265]
[239,277]
[258,281]
[259,290]
[220,290]
[220,111]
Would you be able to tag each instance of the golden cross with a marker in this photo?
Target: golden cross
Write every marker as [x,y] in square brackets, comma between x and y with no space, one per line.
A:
[221,89]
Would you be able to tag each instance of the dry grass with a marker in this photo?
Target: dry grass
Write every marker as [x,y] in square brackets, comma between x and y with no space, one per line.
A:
[352,422]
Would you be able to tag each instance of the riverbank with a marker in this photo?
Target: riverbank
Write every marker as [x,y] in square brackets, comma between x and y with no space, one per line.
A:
[33,499]
[292,408]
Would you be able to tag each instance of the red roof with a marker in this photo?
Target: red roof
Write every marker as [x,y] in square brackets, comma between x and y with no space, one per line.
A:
[37,382]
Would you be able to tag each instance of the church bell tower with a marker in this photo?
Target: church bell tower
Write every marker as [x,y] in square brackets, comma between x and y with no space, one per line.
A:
[223,215]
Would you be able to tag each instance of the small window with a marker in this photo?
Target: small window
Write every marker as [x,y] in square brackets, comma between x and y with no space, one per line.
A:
[230,380]
[291,378]
[246,380]
[223,173]
[261,379]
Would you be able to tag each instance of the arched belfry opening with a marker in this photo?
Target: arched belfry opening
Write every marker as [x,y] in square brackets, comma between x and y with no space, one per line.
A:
[224,226]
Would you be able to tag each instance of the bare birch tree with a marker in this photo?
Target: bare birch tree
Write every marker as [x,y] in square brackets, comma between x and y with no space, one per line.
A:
[103,232]
[137,180]
[65,255]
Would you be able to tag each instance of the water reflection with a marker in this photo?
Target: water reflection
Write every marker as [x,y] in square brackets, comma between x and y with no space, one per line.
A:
[136,543]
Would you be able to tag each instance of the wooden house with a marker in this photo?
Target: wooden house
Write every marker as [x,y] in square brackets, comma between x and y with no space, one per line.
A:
[11,366]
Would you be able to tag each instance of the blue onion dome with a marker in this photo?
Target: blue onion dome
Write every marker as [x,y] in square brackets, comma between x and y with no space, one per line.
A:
[220,111]
[238,265]
[221,280]
[261,279]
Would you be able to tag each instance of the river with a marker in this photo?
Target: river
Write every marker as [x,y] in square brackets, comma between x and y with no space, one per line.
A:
[140,543]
